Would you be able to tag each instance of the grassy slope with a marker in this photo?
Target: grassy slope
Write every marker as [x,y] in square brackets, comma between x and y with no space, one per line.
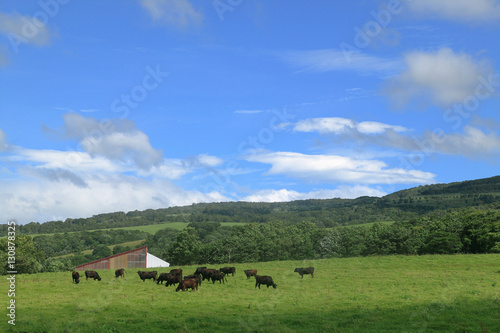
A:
[132,244]
[151,228]
[374,294]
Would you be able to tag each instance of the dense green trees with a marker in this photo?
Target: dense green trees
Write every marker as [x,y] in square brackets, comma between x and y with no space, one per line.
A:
[186,248]
[399,206]
[307,234]
[27,258]
[61,244]
[101,251]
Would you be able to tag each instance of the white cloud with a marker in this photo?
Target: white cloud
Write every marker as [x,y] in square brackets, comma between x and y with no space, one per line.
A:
[71,160]
[45,200]
[472,143]
[335,125]
[41,185]
[178,13]
[208,160]
[337,169]
[116,140]
[283,195]
[478,11]
[443,77]
[22,29]
[327,60]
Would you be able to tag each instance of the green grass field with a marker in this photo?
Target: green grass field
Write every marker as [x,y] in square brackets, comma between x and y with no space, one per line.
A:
[154,228]
[372,294]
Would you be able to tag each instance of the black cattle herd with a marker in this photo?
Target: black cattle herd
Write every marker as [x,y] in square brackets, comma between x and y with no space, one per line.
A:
[192,281]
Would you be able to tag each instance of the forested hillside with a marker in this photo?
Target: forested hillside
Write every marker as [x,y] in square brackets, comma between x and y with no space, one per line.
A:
[398,206]
[441,218]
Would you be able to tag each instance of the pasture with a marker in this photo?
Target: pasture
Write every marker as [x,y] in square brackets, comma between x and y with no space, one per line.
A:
[372,294]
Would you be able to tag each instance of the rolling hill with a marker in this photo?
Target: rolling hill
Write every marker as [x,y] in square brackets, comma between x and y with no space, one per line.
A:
[398,206]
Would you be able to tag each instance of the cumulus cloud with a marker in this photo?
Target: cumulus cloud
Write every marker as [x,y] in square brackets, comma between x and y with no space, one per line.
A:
[283,195]
[336,125]
[117,171]
[41,199]
[337,169]
[117,140]
[477,11]
[177,13]
[473,143]
[442,77]
[327,60]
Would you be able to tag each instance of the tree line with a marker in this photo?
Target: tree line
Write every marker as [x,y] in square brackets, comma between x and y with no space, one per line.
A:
[399,206]
[462,231]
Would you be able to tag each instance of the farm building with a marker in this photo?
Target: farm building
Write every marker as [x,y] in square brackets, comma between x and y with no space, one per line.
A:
[137,258]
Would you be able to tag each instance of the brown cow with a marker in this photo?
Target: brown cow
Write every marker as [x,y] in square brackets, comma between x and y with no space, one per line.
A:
[93,275]
[120,272]
[194,276]
[76,277]
[176,271]
[250,272]
[218,276]
[186,284]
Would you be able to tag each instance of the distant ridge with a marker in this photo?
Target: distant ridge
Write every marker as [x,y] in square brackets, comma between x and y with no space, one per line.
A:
[398,206]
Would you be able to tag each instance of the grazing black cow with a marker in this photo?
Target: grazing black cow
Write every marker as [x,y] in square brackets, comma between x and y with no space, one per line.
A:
[172,280]
[266,280]
[161,278]
[218,276]
[93,275]
[228,270]
[147,275]
[120,272]
[207,273]
[76,277]
[305,270]
[200,270]
[194,276]
[186,284]
[250,272]
[176,271]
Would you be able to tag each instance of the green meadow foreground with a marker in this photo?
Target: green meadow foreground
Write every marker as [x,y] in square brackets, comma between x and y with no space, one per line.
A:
[372,294]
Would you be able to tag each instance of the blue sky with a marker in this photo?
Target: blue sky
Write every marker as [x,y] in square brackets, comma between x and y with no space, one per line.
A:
[122,105]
